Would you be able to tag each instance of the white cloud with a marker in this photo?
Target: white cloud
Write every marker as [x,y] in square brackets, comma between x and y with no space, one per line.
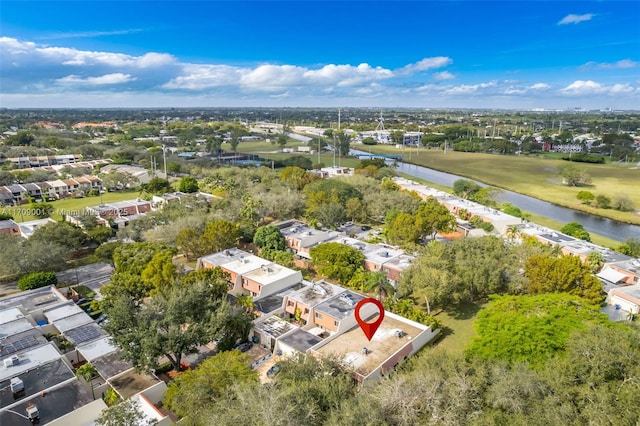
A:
[539,86]
[425,64]
[621,64]
[444,75]
[90,34]
[29,52]
[589,87]
[115,78]
[202,77]
[575,19]
[466,89]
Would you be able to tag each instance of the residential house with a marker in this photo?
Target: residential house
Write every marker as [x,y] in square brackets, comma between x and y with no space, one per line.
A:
[395,340]
[9,227]
[625,298]
[269,279]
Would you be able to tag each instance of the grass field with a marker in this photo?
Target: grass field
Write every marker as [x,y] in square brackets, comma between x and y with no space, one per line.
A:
[535,177]
[20,213]
[457,323]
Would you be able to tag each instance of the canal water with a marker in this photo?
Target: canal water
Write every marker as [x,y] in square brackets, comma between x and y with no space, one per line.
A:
[613,229]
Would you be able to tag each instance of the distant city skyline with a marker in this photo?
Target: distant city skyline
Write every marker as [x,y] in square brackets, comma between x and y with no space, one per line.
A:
[426,54]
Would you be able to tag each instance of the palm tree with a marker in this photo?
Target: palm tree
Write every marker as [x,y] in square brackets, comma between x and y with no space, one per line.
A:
[379,284]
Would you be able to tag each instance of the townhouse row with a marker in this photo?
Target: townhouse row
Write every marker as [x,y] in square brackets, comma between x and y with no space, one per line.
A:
[18,194]
[620,274]
[316,318]
[37,375]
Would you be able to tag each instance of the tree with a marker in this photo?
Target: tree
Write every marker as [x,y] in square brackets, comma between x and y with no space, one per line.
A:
[622,203]
[575,229]
[172,323]
[37,280]
[125,413]
[160,273]
[377,282]
[530,328]
[356,210]
[630,247]
[118,180]
[41,210]
[573,176]
[403,230]
[188,185]
[188,240]
[297,177]
[463,270]
[433,217]
[269,238]
[566,274]
[336,261]
[235,134]
[157,186]
[87,372]
[63,233]
[603,202]
[191,393]
[344,143]
[219,235]
[465,188]
[585,197]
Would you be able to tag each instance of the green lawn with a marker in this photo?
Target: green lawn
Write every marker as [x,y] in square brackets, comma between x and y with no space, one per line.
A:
[458,331]
[20,213]
[536,177]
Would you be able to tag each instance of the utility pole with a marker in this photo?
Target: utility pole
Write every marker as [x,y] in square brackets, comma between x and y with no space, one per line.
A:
[164,155]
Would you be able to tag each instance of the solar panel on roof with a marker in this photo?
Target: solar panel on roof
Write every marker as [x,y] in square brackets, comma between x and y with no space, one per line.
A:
[19,345]
[84,333]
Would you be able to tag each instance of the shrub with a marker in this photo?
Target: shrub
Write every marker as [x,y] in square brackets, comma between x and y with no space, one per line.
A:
[603,201]
[623,203]
[37,280]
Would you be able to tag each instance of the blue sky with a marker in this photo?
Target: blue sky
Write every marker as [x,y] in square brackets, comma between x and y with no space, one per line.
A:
[431,54]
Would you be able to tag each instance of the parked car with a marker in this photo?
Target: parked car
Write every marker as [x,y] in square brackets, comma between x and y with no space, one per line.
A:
[243,347]
[275,369]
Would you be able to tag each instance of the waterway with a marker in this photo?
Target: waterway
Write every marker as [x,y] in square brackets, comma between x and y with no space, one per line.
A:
[609,228]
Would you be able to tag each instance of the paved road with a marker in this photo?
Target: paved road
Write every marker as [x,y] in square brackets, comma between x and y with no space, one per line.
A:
[93,276]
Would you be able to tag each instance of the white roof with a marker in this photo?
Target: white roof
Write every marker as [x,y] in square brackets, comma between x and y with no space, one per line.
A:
[30,360]
[62,312]
[14,327]
[246,264]
[72,321]
[9,315]
[96,349]
[611,275]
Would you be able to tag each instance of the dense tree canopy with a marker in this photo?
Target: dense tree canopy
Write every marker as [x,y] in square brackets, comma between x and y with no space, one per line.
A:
[565,274]
[193,393]
[530,328]
[336,261]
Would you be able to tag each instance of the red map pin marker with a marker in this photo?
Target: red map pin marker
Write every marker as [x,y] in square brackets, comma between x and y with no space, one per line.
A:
[369,328]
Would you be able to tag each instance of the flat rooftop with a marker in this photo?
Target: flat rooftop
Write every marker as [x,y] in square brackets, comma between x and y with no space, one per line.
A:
[272,272]
[10,314]
[245,264]
[15,327]
[84,334]
[316,292]
[300,340]
[274,301]
[340,306]
[32,300]
[223,257]
[73,321]
[21,341]
[274,326]
[56,403]
[28,360]
[132,383]
[63,311]
[401,262]
[383,345]
[382,254]
[37,380]
[110,365]
[96,348]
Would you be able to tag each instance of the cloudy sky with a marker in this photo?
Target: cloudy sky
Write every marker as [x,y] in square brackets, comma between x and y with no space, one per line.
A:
[517,54]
